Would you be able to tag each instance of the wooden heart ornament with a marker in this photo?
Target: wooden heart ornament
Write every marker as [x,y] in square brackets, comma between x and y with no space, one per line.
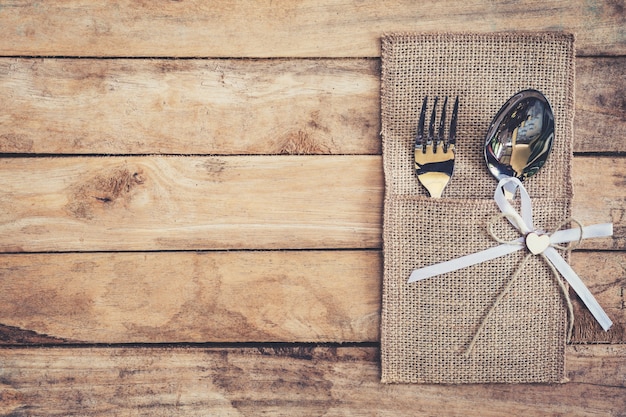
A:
[536,244]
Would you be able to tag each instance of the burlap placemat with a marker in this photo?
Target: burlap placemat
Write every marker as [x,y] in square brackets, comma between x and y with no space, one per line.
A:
[427,325]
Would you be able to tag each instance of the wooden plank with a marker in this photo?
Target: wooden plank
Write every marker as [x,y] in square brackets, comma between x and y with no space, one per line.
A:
[95,106]
[321,28]
[235,107]
[283,381]
[599,197]
[259,296]
[308,296]
[600,114]
[600,118]
[605,276]
[235,202]
[163,203]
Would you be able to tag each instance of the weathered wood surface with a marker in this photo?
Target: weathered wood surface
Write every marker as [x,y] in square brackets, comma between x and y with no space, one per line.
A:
[235,107]
[600,114]
[259,296]
[605,275]
[283,381]
[67,93]
[171,203]
[95,106]
[231,202]
[289,28]
[600,197]
[250,296]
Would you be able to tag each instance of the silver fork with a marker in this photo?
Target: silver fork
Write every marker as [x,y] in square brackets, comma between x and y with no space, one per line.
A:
[434,154]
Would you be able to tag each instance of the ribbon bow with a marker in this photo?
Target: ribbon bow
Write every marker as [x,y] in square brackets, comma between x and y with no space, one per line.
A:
[537,242]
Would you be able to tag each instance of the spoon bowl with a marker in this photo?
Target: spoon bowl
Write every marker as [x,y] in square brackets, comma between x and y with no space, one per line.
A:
[520,137]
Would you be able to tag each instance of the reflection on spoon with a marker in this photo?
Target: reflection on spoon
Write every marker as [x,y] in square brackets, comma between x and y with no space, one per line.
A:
[520,137]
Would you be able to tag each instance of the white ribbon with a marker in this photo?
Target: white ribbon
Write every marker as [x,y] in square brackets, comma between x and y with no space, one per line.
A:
[524,223]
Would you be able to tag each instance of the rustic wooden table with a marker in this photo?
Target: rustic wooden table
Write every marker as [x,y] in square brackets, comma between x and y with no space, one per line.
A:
[191,199]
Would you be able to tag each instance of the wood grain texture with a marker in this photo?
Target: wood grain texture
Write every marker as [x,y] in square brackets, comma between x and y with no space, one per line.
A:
[232,202]
[171,203]
[604,273]
[288,28]
[78,77]
[599,197]
[228,107]
[260,296]
[291,296]
[600,118]
[283,381]
[235,107]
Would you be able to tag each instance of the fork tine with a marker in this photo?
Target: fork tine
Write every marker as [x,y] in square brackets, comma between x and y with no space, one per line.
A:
[419,139]
[452,132]
[431,125]
[442,120]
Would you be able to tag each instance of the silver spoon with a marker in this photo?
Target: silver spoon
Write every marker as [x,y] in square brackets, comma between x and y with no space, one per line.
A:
[520,138]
